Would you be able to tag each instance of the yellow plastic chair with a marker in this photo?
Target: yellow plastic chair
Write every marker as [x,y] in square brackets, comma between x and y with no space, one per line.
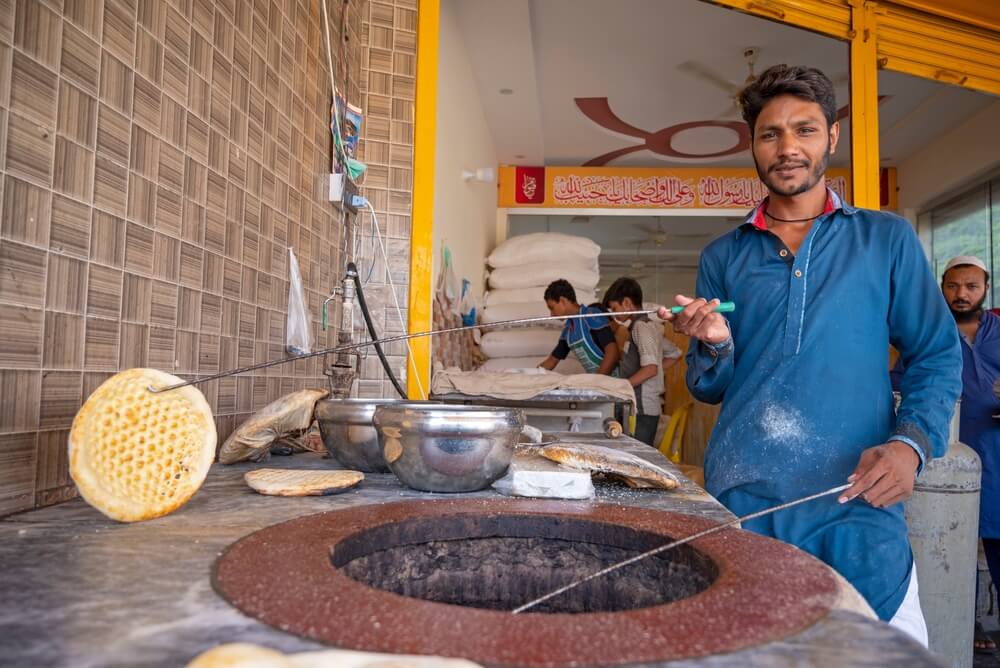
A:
[673,437]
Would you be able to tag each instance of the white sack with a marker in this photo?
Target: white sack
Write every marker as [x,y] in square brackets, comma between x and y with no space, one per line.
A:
[535,294]
[543,273]
[567,367]
[524,342]
[543,247]
[518,310]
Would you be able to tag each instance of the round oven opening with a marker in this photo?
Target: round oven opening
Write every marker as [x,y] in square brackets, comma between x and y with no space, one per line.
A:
[500,562]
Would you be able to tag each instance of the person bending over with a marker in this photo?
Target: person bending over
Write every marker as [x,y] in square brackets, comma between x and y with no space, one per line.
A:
[590,339]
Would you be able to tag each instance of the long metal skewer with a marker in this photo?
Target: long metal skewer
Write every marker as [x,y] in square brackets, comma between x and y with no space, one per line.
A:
[676,543]
[391,339]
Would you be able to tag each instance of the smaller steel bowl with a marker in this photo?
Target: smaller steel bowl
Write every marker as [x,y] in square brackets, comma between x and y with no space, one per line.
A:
[445,447]
[348,432]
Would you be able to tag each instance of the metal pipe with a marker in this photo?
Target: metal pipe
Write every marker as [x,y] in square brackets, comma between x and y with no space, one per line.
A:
[347,297]
[399,337]
[333,295]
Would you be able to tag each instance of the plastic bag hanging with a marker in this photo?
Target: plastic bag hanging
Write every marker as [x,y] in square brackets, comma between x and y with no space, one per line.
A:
[468,304]
[448,285]
[298,337]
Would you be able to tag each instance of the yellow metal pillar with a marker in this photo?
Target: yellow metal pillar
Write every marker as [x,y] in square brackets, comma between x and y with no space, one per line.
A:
[864,106]
[422,220]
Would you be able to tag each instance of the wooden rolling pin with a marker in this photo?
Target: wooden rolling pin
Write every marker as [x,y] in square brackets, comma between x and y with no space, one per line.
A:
[612,428]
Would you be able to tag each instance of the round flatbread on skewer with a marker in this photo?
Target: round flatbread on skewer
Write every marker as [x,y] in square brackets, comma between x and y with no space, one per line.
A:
[135,455]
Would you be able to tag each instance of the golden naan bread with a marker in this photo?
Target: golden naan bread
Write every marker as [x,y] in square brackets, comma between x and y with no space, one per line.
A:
[290,414]
[135,455]
[246,655]
[301,482]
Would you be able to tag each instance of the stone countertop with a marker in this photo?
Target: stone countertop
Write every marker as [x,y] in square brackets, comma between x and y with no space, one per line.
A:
[78,589]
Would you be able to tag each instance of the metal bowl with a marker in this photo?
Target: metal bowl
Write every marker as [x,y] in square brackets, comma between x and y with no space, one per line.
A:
[348,432]
[445,447]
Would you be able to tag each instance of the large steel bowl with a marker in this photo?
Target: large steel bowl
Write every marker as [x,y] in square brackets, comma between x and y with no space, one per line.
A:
[348,432]
[447,448]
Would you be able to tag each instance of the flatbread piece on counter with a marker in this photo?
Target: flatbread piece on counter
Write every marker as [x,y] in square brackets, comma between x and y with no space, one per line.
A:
[247,655]
[135,455]
[635,471]
[290,414]
[301,482]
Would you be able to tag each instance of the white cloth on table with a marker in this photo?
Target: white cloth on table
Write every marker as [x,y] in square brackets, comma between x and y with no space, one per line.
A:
[522,387]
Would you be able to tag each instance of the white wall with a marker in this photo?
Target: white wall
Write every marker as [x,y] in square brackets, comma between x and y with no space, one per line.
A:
[465,214]
[659,289]
[951,161]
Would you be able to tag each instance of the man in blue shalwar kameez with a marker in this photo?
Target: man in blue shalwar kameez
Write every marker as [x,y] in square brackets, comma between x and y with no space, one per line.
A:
[965,284]
[802,367]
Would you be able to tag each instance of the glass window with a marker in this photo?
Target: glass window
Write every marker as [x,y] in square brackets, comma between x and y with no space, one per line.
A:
[995,240]
[967,225]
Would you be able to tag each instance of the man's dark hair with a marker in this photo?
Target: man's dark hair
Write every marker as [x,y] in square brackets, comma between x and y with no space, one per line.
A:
[559,288]
[623,287]
[806,83]
[962,266]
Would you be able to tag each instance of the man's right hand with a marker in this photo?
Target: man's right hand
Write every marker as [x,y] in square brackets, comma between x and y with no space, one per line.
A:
[698,319]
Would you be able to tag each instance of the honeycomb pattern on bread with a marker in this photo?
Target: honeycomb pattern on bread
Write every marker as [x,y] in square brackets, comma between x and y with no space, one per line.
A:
[136,455]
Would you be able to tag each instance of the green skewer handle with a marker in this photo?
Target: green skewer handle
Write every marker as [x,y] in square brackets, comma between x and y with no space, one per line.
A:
[724,307]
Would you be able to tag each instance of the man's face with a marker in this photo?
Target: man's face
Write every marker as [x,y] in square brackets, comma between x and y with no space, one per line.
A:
[965,289]
[560,308]
[792,145]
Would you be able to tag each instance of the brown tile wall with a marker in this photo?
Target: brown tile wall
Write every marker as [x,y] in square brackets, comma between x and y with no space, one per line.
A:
[388,81]
[157,157]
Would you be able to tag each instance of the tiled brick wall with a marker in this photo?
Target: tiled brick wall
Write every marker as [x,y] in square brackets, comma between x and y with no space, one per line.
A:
[388,81]
[157,158]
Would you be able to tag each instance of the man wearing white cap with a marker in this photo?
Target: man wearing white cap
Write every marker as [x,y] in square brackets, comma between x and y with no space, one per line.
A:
[965,284]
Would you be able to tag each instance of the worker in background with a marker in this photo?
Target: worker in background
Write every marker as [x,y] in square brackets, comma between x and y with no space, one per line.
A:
[590,339]
[641,355]
[965,284]
[802,366]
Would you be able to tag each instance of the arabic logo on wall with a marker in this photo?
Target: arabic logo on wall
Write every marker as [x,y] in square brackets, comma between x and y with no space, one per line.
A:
[530,188]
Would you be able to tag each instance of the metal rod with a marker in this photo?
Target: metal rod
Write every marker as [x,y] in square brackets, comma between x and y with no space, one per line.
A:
[676,543]
[392,339]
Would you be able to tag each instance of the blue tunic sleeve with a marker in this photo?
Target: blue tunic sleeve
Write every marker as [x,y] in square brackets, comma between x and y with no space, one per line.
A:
[923,331]
[709,367]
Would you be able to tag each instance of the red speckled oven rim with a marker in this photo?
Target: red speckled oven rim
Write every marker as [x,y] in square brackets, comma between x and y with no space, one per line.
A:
[282,575]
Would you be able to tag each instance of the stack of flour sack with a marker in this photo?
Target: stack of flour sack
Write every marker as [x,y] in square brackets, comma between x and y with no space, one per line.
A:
[520,270]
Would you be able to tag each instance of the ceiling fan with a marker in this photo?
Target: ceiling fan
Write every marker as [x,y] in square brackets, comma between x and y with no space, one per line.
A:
[657,236]
[731,88]
[640,266]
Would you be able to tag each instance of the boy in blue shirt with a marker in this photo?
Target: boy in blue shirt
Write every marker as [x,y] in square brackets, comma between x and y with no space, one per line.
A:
[590,339]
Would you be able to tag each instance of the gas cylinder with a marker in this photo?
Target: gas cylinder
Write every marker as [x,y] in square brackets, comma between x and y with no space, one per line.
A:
[943,521]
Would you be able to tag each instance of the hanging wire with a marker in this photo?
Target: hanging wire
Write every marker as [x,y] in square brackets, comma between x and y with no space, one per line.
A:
[392,288]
